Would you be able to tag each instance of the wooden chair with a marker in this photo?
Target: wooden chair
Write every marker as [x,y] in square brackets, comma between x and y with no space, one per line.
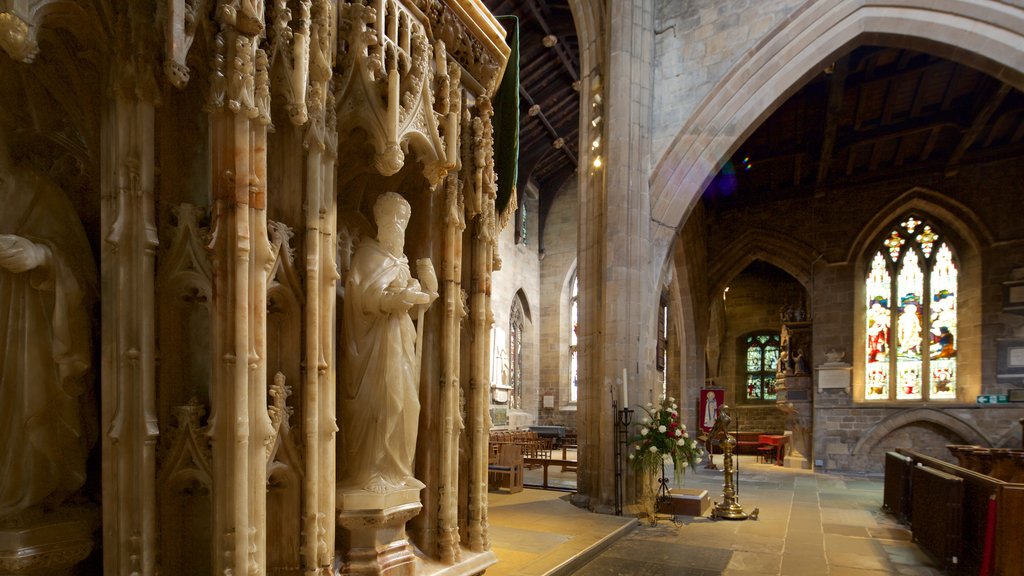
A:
[510,466]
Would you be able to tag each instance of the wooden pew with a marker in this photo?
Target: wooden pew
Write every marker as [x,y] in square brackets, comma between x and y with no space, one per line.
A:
[977,491]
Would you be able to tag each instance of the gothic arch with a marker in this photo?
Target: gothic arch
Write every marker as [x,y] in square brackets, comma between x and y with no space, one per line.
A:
[953,214]
[876,433]
[988,36]
[792,256]
[521,296]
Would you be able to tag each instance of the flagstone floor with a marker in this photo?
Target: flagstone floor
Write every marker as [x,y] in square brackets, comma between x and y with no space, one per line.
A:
[809,524]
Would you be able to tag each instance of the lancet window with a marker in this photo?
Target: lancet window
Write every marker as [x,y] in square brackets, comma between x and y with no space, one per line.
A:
[573,324]
[515,353]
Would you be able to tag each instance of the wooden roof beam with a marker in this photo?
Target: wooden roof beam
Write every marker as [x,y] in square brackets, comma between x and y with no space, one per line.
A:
[563,54]
[547,124]
[977,125]
[836,88]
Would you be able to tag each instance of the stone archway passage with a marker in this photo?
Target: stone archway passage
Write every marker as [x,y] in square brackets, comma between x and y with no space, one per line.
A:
[988,36]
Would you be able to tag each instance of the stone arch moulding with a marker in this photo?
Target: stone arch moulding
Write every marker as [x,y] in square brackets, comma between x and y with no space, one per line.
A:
[953,214]
[791,256]
[520,294]
[880,430]
[986,35]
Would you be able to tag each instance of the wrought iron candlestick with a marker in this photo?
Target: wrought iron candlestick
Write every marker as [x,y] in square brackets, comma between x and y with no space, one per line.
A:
[623,418]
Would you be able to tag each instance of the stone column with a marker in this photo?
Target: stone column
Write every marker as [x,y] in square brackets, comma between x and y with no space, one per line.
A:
[618,302]
[240,424]
[128,413]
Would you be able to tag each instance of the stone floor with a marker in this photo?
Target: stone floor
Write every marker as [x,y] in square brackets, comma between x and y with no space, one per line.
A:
[809,524]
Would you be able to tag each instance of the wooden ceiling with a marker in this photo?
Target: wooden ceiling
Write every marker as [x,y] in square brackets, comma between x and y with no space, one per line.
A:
[874,114]
[548,99]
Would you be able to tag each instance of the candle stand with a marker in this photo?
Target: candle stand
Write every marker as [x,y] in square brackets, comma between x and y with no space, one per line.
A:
[623,418]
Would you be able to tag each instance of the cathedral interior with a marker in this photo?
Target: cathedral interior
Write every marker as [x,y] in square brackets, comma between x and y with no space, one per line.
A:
[279,278]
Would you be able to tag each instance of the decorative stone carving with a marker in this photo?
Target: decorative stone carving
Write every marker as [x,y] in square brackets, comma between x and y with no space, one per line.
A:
[380,386]
[389,91]
[379,396]
[47,288]
[182,19]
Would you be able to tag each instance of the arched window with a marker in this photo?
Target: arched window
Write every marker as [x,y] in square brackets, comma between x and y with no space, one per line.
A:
[661,359]
[762,353]
[911,311]
[515,353]
[573,324]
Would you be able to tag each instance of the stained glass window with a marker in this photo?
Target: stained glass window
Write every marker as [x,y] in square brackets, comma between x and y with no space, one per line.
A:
[762,358]
[515,351]
[910,316]
[573,325]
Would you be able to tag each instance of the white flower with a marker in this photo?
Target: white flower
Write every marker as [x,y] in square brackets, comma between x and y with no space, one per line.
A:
[644,431]
[671,399]
[646,420]
[653,449]
[679,433]
[636,447]
[649,405]
[674,407]
[685,435]
[662,429]
[680,442]
[632,456]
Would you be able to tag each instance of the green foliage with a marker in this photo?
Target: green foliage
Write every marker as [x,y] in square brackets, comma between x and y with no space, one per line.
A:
[662,436]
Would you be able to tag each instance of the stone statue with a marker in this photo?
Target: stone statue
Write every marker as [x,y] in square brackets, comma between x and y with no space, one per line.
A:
[379,397]
[47,290]
[799,364]
[782,367]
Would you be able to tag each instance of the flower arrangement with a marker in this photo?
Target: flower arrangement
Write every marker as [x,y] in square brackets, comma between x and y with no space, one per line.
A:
[663,438]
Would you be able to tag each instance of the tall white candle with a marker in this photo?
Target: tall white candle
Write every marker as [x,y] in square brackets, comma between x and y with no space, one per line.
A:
[625,390]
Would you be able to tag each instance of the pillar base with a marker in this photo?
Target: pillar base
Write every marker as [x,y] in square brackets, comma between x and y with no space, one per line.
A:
[371,535]
[50,544]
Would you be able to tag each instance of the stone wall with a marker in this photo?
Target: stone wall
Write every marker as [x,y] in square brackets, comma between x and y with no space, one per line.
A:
[556,271]
[696,42]
[752,418]
[520,267]
[980,213]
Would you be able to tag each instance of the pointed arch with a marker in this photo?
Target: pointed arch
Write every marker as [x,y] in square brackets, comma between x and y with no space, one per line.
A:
[968,227]
[988,36]
[791,256]
[944,419]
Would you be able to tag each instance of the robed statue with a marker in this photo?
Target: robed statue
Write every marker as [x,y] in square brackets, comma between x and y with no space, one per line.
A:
[47,290]
[379,397]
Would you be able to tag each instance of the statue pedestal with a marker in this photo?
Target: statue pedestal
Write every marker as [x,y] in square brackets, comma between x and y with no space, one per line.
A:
[793,397]
[371,535]
[50,544]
